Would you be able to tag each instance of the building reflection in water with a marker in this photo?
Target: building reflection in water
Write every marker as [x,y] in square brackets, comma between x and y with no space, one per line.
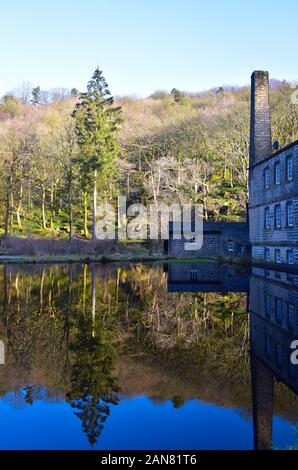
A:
[91,335]
[206,277]
[273,307]
[273,310]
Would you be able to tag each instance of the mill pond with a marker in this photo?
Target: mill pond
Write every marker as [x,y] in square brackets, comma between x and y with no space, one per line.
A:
[128,356]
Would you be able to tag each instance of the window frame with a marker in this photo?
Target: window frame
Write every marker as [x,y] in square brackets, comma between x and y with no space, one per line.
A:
[268,346]
[277,252]
[277,209]
[266,178]
[291,370]
[278,319]
[289,326]
[277,180]
[231,243]
[289,158]
[279,355]
[268,305]
[288,205]
[290,252]
[267,218]
[194,274]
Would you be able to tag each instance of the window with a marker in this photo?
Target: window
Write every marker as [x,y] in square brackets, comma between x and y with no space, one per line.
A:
[266,178]
[277,256]
[277,216]
[231,270]
[268,306]
[267,254]
[194,275]
[279,355]
[231,246]
[267,218]
[268,346]
[289,168]
[291,317]
[278,311]
[292,370]
[290,221]
[277,173]
[290,256]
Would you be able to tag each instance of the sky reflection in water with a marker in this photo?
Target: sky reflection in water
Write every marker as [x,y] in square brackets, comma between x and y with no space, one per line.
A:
[154,391]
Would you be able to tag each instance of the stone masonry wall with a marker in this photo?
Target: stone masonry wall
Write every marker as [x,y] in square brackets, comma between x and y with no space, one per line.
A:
[215,240]
[212,247]
[264,325]
[261,198]
[260,139]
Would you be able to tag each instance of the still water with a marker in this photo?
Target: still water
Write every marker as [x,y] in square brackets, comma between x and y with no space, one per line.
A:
[184,356]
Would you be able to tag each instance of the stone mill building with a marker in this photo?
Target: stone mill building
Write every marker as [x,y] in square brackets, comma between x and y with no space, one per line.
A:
[273,185]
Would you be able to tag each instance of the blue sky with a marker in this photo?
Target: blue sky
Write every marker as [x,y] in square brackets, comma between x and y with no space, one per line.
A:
[145,45]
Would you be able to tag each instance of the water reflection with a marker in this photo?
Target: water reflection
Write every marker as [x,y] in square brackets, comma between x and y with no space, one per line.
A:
[273,327]
[207,277]
[118,348]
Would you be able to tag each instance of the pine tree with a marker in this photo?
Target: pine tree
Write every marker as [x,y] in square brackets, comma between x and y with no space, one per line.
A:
[97,121]
[179,96]
[74,92]
[36,96]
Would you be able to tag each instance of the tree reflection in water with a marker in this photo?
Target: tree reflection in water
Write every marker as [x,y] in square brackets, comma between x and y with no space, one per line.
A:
[88,332]
[93,387]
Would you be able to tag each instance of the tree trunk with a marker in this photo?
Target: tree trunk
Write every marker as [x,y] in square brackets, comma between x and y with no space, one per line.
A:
[41,290]
[70,213]
[29,193]
[7,211]
[11,209]
[94,238]
[205,310]
[205,217]
[43,211]
[52,208]
[93,298]
[69,303]
[84,287]
[85,203]
[19,207]
[70,223]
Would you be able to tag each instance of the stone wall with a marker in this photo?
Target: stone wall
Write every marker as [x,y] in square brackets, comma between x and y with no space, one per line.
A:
[260,128]
[260,198]
[265,197]
[212,247]
[264,325]
[215,241]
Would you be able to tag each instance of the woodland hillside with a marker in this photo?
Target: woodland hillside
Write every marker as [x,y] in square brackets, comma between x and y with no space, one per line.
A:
[171,147]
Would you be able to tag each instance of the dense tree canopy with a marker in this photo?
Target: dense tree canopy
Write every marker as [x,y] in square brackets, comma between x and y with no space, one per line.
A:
[58,148]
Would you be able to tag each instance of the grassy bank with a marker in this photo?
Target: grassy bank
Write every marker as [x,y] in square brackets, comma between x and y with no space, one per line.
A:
[4,259]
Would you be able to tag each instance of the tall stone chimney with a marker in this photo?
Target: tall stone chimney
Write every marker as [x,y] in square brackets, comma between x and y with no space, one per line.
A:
[260,126]
[262,381]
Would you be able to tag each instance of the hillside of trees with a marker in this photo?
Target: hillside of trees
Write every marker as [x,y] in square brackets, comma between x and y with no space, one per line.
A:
[169,147]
